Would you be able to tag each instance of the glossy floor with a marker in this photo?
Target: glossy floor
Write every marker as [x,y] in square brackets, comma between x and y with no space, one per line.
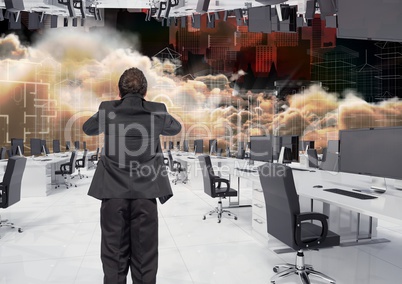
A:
[61,240]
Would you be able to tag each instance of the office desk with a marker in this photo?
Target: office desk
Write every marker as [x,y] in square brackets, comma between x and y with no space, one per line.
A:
[350,217]
[225,167]
[39,175]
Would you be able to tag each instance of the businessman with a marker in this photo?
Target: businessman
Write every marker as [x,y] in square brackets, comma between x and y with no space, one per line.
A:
[129,177]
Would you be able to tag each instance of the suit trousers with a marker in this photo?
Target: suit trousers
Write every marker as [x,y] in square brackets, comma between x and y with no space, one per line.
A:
[129,240]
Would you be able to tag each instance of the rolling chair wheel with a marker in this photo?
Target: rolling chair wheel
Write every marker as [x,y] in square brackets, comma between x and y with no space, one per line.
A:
[276,269]
[20,230]
[204,218]
[219,221]
[235,218]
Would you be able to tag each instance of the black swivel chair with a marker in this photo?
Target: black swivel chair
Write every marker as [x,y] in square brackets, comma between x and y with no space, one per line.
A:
[10,187]
[175,169]
[93,159]
[67,169]
[212,187]
[81,163]
[228,154]
[241,153]
[292,227]
[56,146]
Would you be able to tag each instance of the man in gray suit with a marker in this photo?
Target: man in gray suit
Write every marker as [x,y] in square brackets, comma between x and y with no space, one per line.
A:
[128,179]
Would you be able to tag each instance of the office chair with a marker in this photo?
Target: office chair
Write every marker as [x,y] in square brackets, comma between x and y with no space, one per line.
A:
[175,169]
[76,145]
[10,187]
[68,146]
[3,151]
[81,163]
[67,169]
[292,227]
[228,154]
[93,159]
[212,187]
[241,154]
[312,158]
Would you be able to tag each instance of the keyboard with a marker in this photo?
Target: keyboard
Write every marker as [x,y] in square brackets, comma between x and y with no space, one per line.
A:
[299,169]
[350,193]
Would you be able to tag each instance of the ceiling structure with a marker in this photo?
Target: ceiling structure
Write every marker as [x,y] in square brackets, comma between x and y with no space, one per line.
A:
[177,8]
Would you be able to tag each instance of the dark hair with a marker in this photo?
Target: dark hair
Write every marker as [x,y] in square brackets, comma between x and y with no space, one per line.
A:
[133,81]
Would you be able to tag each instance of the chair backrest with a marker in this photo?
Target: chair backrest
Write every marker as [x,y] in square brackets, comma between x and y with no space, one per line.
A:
[312,158]
[170,160]
[84,145]
[207,174]
[73,159]
[76,145]
[331,162]
[68,145]
[12,180]
[97,153]
[228,154]
[3,151]
[84,158]
[241,153]
[281,201]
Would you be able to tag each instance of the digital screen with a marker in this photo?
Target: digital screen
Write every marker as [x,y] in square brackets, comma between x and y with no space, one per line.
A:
[372,151]
[198,146]
[36,146]
[261,148]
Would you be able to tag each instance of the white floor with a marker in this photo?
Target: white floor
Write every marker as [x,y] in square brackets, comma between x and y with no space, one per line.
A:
[61,241]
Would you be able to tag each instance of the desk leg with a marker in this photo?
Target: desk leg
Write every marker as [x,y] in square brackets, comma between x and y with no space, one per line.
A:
[366,240]
[236,203]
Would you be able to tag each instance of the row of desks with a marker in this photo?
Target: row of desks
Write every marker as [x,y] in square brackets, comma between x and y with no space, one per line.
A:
[387,206]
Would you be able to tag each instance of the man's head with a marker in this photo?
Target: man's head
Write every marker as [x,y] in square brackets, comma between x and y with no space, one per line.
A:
[132,81]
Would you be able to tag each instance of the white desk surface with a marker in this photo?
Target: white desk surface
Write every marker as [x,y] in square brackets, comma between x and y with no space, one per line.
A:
[387,206]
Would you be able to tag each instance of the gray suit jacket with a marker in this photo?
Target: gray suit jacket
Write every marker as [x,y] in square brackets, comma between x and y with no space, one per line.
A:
[132,165]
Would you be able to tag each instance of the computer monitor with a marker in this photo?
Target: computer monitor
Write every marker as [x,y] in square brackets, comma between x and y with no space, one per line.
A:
[36,146]
[304,143]
[285,156]
[371,151]
[198,146]
[185,146]
[56,146]
[228,153]
[44,149]
[213,146]
[17,146]
[84,145]
[170,145]
[77,145]
[164,145]
[333,146]
[68,145]
[292,142]
[261,148]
